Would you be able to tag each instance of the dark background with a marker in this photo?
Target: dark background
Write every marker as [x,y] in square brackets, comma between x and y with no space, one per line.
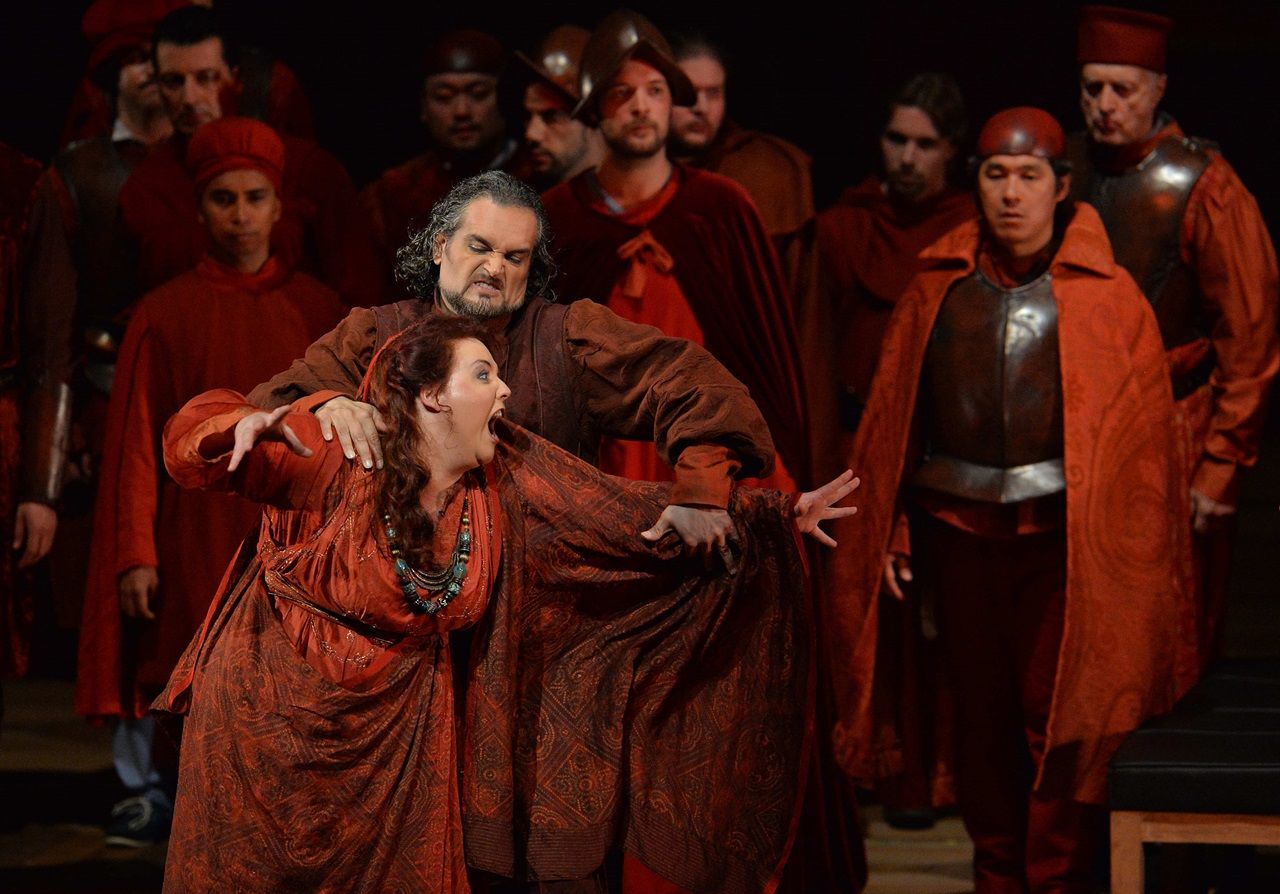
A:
[817,79]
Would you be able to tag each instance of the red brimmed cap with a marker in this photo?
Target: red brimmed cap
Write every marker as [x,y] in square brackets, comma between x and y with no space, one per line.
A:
[1022,131]
[235,144]
[1115,36]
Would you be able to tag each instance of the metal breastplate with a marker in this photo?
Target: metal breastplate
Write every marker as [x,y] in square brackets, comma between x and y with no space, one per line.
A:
[992,393]
[1142,209]
[94,172]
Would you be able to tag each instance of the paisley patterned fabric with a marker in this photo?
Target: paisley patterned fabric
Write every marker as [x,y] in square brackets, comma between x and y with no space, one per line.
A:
[620,696]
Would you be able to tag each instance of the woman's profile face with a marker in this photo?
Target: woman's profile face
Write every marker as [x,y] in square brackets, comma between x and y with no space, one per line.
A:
[472,399]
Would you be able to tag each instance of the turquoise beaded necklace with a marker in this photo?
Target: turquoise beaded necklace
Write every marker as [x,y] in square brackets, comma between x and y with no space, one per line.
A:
[446,582]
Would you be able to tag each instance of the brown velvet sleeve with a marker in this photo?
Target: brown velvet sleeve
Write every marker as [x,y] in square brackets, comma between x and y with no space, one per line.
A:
[336,362]
[637,383]
[1226,241]
[47,314]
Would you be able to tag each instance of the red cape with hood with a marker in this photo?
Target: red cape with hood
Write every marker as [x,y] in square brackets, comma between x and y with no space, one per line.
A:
[1128,648]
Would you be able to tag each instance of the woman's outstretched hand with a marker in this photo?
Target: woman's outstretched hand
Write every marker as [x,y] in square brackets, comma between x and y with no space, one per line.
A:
[264,426]
[819,505]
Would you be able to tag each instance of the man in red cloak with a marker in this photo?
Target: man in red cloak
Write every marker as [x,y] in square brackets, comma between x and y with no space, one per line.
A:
[869,245]
[1021,416]
[268,89]
[23,534]
[1185,227]
[560,147]
[774,172]
[322,230]
[159,551]
[674,247]
[75,303]
[466,131]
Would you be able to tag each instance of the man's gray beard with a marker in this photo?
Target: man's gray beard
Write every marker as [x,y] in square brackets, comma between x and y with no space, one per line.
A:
[477,309]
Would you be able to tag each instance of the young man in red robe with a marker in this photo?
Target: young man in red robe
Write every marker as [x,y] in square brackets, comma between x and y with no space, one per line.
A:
[774,172]
[560,147]
[24,527]
[270,91]
[1191,235]
[466,131]
[869,245]
[1021,418]
[322,229]
[674,247]
[159,551]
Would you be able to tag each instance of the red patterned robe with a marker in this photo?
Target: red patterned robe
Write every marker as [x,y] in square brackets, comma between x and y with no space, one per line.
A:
[618,696]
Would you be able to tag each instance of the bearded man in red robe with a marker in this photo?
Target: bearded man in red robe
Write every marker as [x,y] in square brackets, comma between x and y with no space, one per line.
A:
[159,551]
[869,245]
[1021,456]
[1191,235]
[322,228]
[466,131]
[674,247]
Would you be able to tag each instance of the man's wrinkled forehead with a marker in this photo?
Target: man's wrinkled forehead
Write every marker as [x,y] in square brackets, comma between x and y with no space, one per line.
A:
[1024,162]
[506,228]
[1116,74]
[540,98]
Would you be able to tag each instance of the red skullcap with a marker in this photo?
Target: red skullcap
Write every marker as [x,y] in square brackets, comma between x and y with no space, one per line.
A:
[235,144]
[114,27]
[1115,36]
[1022,131]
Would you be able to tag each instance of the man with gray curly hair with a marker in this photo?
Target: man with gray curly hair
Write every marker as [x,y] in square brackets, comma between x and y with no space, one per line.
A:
[578,371]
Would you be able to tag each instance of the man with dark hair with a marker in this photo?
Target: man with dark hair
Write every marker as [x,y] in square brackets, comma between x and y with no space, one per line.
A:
[560,146]
[75,299]
[869,245]
[323,228]
[774,173]
[269,90]
[1036,451]
[671,246]
[159,551]
[1189,232]
[465,130]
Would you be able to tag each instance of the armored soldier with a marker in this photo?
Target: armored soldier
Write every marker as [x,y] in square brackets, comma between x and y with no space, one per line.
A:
[1037,458]
[1181,222]
[75,300]
[560,146]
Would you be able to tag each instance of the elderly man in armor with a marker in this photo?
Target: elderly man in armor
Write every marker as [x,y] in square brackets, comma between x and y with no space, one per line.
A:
[1019,446]
[1181,222]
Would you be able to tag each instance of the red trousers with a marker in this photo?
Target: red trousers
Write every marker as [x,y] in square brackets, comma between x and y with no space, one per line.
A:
[1001,604]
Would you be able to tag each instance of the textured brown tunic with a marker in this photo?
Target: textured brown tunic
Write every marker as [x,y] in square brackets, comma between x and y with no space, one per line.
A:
[577,372]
